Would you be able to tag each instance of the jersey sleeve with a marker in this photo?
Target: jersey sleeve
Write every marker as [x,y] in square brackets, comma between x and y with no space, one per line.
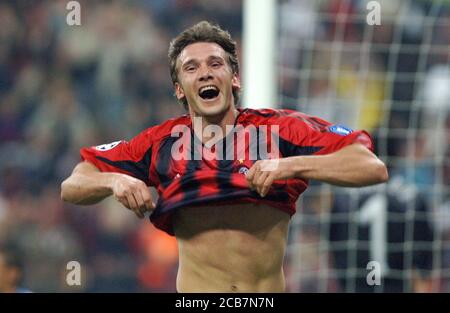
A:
[302,134]
[127,157]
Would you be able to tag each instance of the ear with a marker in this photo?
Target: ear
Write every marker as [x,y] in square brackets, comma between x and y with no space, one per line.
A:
[179,92]
[236,82]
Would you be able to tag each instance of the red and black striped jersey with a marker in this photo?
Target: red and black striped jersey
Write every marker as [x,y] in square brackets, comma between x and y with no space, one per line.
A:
[167,157]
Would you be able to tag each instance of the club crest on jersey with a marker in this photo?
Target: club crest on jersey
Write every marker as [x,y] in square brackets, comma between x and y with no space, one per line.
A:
[243,170]
[107,146]
[340,130]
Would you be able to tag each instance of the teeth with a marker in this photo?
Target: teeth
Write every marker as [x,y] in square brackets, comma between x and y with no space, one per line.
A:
[208,88]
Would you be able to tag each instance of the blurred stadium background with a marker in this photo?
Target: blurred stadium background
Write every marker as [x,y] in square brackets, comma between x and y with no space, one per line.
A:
[64,87]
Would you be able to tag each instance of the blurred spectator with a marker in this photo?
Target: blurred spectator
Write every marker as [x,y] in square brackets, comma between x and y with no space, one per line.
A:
[11,271]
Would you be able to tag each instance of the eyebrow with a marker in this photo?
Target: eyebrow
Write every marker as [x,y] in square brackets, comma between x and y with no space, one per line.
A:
[189,62]
[194,61]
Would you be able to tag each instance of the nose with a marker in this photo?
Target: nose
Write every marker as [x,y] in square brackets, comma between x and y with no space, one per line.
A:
[205,73]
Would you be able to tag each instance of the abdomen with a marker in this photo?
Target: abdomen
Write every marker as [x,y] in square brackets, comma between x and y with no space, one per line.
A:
[227,249]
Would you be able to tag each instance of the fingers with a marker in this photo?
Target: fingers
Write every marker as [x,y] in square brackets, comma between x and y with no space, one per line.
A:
[134,206]
[251,174]
[260,179]
[254,170]
[124,201]
[144,202]
[134,195]
[266,185]
[147,199]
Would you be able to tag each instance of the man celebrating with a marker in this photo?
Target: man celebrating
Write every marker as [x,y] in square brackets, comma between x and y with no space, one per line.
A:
[228,209]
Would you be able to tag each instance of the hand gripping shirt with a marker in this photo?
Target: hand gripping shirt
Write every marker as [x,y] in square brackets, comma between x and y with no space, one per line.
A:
[188,173]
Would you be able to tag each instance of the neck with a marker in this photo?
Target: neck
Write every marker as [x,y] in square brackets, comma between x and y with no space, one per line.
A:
[221,120]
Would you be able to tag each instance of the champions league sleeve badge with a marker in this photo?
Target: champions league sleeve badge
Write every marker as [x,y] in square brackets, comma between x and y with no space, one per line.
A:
[107,146]
[340,130]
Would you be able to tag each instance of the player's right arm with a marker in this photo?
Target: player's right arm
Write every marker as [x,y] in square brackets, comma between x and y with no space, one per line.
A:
[119,169]
[87,185]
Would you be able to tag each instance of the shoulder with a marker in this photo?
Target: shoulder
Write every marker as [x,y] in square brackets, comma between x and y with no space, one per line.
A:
[282,117]
[272,113]
[160,131]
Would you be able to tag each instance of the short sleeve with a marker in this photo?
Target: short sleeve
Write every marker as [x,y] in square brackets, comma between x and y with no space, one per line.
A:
[301,134]
[128,157]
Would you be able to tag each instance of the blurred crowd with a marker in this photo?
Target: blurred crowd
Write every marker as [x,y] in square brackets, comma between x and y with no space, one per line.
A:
[393,80]
[64,87]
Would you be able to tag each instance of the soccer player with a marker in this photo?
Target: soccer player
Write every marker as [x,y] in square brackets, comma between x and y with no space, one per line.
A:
[230,215]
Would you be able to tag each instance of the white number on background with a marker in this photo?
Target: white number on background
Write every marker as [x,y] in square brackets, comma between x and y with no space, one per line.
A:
[374,214]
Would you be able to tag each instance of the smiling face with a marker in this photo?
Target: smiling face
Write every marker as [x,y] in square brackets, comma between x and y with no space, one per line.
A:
[206,79]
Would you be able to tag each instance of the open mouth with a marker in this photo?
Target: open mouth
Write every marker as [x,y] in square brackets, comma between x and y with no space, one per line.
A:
[209,92]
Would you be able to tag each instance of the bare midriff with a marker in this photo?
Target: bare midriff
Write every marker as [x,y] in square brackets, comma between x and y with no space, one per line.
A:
[234,248]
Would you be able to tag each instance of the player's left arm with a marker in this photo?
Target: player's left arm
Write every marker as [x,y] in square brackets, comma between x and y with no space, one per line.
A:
[352,166]
[312,148]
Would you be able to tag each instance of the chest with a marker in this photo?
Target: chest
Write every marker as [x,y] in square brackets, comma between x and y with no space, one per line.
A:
[235,154]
